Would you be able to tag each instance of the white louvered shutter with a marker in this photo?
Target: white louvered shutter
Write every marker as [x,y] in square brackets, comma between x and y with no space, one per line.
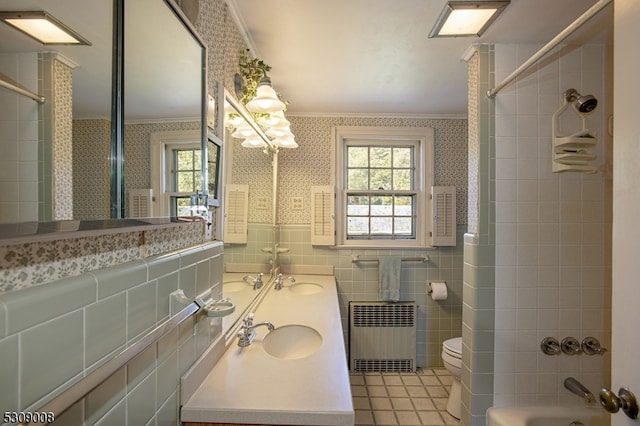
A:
[443,210]
[140,202]
[322,216]
[236,202]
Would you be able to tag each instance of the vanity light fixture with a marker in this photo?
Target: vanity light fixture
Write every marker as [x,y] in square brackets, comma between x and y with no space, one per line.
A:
[244,130]
[273,119]
[266,99]
[278,132]
[467,18]
[268,112]
[253,142]
[285,142]
[43,27]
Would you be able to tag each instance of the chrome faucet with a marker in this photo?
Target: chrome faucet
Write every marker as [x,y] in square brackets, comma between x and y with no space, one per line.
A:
[247,332]
[279,279]
[256,281]
[574,386]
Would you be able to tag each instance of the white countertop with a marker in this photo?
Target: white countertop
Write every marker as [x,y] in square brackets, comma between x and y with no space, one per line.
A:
[248,385]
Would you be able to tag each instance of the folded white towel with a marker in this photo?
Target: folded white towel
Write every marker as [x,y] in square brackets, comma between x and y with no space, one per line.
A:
[389,277]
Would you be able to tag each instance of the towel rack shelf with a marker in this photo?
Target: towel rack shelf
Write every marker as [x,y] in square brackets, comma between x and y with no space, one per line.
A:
[357,258]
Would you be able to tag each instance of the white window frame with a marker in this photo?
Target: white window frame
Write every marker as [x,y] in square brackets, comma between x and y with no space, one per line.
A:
[170,173]
[161,144]
[423,137]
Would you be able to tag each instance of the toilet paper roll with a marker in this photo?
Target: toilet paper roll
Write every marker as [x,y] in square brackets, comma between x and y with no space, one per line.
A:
[438,290]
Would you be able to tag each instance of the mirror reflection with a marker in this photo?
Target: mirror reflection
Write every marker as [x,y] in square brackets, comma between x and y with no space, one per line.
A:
[163,96]
[61,171]
[76,83]
[248,216]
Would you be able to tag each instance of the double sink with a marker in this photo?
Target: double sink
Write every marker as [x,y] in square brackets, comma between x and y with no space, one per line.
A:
[294,374]
[303,288]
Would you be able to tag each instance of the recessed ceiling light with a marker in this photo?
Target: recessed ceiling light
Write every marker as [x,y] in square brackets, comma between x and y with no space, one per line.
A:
[467,18]
[42,27]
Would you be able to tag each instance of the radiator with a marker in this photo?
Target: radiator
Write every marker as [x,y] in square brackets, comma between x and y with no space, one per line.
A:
[382,336]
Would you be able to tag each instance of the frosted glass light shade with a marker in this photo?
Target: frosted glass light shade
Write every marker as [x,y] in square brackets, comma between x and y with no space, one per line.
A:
[253,142]
[285,142]
[266,100]
[277,131]
[274,119]
[243,131]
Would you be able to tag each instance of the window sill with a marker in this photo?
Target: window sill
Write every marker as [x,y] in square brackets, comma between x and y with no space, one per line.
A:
[382,247]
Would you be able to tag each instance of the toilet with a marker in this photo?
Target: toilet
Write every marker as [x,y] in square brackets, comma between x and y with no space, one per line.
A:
[452,359]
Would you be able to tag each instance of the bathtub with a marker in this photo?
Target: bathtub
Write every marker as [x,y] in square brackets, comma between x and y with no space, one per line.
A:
[547,416]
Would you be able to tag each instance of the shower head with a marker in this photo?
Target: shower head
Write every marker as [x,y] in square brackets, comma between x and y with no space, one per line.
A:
[585,104]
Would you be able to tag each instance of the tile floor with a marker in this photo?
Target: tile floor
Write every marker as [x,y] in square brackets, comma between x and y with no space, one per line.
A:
[402,399]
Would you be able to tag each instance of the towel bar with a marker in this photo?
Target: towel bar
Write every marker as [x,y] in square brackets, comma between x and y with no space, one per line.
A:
[85,385]
[357,258]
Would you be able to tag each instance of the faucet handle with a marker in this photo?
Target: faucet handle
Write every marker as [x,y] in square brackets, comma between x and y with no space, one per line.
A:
[248,321]
[550,346]
[570,346]
[591,346]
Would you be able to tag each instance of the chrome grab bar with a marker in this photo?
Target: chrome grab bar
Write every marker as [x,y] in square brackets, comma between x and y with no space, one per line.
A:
[92,380]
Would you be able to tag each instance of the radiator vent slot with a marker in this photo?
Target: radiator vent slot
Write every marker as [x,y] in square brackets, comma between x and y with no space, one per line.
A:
[400,365]
[382,336]
[384,315]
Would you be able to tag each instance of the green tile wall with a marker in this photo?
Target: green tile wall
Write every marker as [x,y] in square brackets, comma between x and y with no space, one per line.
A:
[437,320]
[53,334]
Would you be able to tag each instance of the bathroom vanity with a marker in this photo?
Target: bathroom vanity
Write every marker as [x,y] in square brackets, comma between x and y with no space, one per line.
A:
[296,374]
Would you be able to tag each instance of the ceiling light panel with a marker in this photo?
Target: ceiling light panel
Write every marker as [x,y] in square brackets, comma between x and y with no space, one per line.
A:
[467,18]
[42,27]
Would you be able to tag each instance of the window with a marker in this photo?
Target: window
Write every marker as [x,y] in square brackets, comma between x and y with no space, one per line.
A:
[175,170]
[384,177]
[214,151]
[185,178]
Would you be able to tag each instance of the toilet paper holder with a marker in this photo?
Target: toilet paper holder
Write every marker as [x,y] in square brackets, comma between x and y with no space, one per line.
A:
[430,290]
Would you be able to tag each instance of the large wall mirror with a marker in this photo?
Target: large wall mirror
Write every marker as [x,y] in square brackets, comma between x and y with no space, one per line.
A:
[249,210]
[65,171]
[76,83]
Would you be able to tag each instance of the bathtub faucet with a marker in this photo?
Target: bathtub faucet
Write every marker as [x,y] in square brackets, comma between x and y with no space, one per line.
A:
[574,386]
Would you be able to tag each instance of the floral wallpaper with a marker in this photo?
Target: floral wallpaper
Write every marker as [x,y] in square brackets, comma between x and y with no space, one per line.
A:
[310,163]
[34,263]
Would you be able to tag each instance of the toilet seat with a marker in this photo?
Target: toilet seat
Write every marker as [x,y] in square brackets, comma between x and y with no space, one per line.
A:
[453,347]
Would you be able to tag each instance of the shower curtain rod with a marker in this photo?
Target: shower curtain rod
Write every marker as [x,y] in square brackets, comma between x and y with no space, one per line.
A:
[590,13]
[6,83]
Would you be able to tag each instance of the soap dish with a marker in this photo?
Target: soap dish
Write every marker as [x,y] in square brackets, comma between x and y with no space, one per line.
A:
[219,308]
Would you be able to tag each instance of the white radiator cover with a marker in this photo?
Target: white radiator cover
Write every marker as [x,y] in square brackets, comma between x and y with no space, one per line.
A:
[382,336]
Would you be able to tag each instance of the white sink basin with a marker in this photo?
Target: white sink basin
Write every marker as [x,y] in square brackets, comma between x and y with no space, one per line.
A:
[305,288]
[233,286]
[292,341]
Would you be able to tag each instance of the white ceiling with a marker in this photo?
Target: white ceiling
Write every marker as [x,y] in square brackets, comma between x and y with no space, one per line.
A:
[374,56]
[162,62]
[328,56]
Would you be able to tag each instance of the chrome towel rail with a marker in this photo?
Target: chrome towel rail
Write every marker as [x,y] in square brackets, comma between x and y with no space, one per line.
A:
[357,258]
[15,87]
[85,385]
[590,13]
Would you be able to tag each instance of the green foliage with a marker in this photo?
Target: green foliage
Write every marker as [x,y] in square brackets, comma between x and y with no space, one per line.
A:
[252,71]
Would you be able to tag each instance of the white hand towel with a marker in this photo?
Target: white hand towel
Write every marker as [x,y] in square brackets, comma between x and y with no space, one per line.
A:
[389,277]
